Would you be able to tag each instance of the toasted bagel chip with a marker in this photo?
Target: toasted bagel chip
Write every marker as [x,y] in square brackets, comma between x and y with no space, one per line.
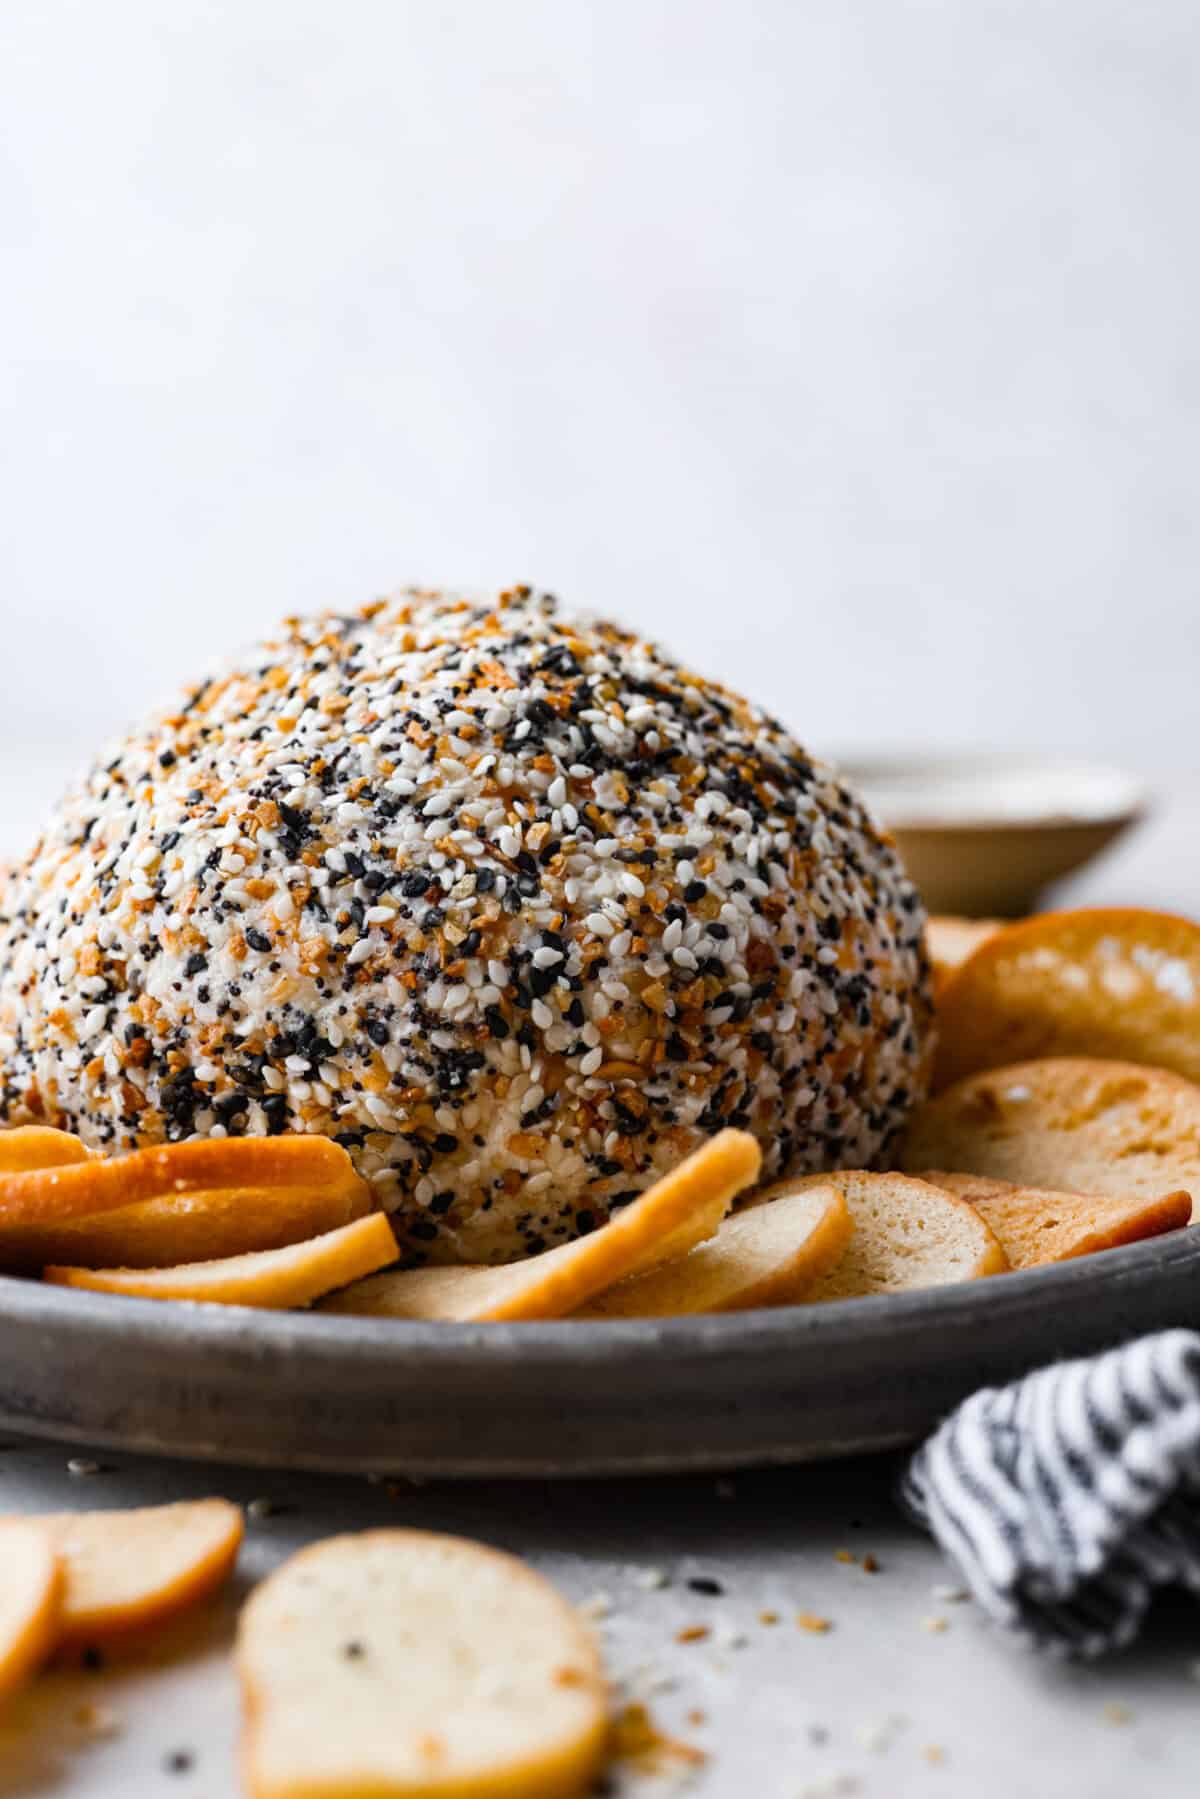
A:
[907,1234]
[400,1662]
[31,1146]
[31,1585]
[1115,982]
[951,940]
[1070,1123]
[272,1279]
[768,1256]
[179,1208]
[679,1211]
[1036,1225]
[130,1571]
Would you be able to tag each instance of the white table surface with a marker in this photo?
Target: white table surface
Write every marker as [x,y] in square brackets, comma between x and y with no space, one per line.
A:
[887,1703]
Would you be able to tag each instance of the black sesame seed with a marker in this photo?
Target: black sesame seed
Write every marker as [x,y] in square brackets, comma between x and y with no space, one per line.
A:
[695,890]
[276,1109]
[704,1583]
[258,940]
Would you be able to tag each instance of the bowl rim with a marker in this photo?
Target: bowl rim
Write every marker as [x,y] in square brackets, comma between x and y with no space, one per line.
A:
[1132,800]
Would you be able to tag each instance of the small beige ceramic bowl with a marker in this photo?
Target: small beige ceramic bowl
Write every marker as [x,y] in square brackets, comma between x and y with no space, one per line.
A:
[982,835]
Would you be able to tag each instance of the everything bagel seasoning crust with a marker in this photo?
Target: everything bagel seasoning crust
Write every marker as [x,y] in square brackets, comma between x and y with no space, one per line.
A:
[509,904]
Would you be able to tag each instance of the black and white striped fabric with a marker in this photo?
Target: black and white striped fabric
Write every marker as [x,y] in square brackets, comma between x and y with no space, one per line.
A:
[1065,1499]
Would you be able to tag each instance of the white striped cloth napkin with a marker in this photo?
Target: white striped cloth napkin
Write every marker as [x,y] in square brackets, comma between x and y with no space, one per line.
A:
[1066,1498]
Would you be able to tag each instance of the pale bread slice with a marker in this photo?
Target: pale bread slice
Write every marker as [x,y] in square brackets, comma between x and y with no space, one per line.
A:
[131,1571]
[31,1582]
[951,940]
[271,1279]
[184,1202]
[1117,982]
[1069,1123]
[768,1256]
[1036,1225]
[907,1234]
[30,1146]
[679,1211]
[399,1664]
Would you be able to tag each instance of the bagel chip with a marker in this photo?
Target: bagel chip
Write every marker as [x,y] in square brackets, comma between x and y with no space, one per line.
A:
[1036,1225]
[31,1584]
[1069,1123]
[671,1217]
[951,940]
[768,1256]
[187,1202]
[400,1662]
[1115,982]
[31,1146]
[125,1572]
[907,1235]
[272,1279]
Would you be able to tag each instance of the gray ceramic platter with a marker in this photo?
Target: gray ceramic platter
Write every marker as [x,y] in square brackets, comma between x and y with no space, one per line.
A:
[292,1390]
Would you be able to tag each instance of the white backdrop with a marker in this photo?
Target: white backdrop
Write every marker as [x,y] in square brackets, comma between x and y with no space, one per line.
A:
[850,347]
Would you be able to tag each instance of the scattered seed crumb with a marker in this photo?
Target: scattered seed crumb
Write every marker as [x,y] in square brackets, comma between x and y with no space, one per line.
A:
[951,1595]
[354,1651]
[81,1469]
[844,1555]
[935,1626]
[693,1633]
[1116,1713]
[879,1737]
[706,1586]
[651,1680]
[697,1717]
[261,1508]
[869,1564]
[651,1579]
[727,1636]
[836,1787]
[818,1735]
[597,1607]
[934,1754]
[180,1761]
[636,1738]
[811,1621]
[768,1617]
[92,1659]
[725,1489]
[97,1720]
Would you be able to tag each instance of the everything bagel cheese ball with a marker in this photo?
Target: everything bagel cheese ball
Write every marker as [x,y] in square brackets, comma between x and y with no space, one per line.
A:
[510,904]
